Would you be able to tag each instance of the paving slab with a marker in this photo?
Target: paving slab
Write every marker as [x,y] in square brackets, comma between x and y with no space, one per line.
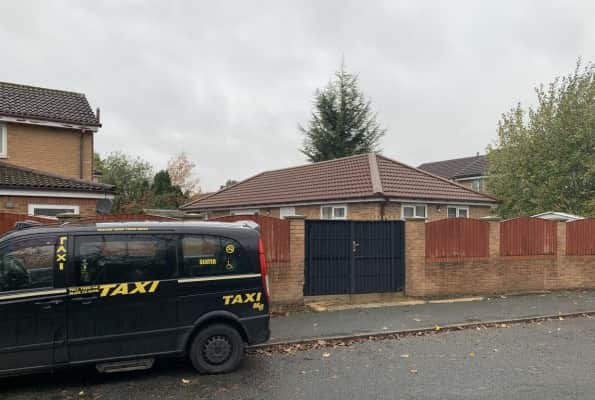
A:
[312,325]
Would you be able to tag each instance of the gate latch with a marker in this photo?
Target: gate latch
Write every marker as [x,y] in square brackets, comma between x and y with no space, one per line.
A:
[355,245]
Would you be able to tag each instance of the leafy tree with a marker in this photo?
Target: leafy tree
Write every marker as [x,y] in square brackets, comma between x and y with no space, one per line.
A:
[181,171]
[342,123]
[164,194]
[131,176]
[544,158]
[228,183]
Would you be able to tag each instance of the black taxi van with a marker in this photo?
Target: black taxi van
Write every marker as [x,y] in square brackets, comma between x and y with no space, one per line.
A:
[119,295]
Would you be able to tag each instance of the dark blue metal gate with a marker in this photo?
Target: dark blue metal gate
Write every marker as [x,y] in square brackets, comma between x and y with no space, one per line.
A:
[345,257]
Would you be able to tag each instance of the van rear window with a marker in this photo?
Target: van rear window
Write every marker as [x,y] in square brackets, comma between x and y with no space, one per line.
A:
[28,265]
[206,255]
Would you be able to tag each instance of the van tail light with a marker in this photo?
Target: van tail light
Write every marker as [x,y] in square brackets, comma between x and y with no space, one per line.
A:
[263,269]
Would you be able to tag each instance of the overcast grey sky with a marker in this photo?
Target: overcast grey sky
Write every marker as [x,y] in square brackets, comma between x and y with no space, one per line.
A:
[228,81]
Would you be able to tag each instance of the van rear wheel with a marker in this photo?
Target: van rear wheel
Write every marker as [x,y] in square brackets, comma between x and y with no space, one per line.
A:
[217,349]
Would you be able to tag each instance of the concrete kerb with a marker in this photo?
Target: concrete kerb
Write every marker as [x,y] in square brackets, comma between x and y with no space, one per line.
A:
[412,332]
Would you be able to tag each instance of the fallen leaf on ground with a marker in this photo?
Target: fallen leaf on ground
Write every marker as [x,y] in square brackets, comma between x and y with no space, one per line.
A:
[472,354]
[82,393]
[404,355]
[417,319]
[413,371]
[185,381]
[326,355]
[437,327]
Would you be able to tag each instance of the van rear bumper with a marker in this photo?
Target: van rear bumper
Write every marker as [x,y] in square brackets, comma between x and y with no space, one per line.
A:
[257,329]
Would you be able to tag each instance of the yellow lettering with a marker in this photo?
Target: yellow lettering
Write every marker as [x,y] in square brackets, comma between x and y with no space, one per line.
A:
[61,266]
[250,298]
[105,289]
[63,240]
[258,296]
[153,286]
[121,289]
[140,287]
[227,299]
[60,257]
[258,306]
[237,299]
[61,249]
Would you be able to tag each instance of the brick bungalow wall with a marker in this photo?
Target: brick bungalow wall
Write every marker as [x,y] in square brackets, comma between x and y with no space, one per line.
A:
[366,211]
[56,150]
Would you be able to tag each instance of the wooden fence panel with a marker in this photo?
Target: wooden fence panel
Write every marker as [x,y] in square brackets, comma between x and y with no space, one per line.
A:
[457,238]
[273,231]
[580,237]
[8,220]
[527,236]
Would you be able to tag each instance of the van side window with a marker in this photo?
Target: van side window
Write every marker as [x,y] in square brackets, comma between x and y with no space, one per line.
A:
[124,258]
[28,264]
[211,255]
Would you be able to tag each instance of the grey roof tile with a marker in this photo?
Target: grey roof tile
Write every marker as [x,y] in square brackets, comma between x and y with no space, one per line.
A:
[23,101]
[16,177]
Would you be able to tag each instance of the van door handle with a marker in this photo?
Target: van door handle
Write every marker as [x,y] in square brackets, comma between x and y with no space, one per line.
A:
[84,300]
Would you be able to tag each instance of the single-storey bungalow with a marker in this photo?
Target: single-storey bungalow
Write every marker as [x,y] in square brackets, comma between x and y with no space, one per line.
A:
[360,187]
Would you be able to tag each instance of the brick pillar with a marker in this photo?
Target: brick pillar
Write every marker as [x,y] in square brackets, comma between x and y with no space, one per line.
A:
[561,239]
[494,236]
[415,256]
[290,287]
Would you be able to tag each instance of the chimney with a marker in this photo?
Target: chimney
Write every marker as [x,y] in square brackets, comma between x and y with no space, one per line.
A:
[98,115]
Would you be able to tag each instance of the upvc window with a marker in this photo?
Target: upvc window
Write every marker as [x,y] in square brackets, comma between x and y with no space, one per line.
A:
[477,185]
[3,140]
[247,211]
[458,212]
[333,212]
[414,210]
[286,212]
[51,210]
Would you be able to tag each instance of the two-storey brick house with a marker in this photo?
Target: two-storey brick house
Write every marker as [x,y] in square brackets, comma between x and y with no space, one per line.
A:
[46,152]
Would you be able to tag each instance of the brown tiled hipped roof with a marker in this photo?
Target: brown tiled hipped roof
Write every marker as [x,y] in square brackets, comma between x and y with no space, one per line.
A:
[15,177]
[23,101]
[356,177]
[458,167]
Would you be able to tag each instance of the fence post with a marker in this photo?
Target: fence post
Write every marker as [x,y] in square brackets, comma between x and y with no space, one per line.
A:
[292,290]
[415,256]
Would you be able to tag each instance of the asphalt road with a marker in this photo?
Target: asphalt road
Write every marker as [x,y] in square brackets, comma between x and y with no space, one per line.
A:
[548,360]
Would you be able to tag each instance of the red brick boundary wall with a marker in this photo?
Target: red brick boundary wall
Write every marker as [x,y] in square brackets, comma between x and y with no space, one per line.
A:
[535,265]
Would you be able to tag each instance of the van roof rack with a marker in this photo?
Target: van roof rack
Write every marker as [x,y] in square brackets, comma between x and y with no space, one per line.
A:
[26,224]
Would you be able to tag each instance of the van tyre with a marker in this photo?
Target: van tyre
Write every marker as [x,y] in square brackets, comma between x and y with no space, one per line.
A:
[217,349]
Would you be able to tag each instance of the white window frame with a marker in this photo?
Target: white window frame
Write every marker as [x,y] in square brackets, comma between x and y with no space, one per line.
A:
[31,208]
[458,208]
[333,208]
[3,138]
[286,212]
[414,206]
[480,183]
[247,211]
